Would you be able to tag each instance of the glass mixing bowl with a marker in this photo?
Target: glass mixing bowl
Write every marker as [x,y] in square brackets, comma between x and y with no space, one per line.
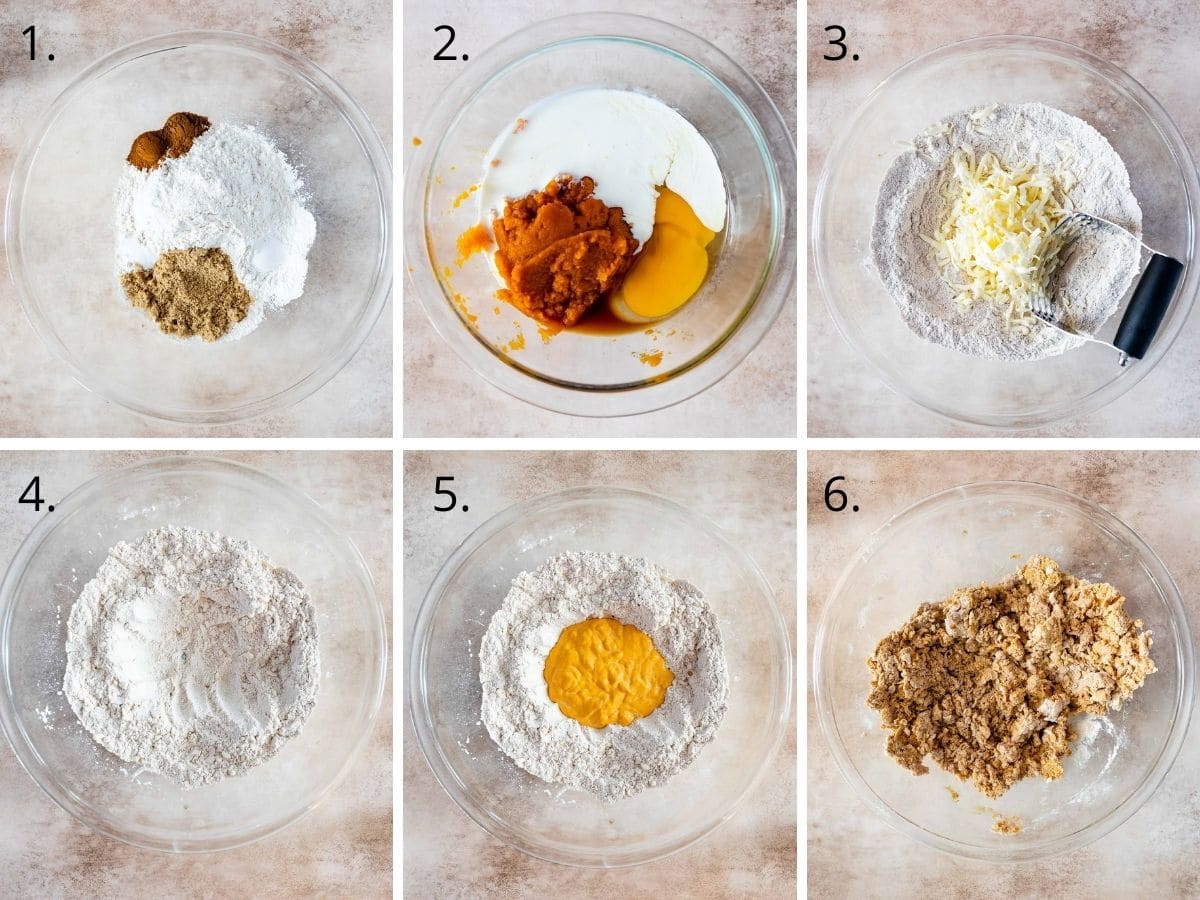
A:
[62,554]
[1003,69]
[613,374]
[558,823]
[983,532]
[62,247]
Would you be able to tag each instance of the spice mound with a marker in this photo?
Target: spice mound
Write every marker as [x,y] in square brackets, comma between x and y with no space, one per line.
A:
[603,673]
[192,655]
[985,681]
[175,138]
[190,293]
[212,230]
[561,250]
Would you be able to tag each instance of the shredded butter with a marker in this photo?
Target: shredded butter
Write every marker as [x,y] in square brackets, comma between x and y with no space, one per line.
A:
[993,239]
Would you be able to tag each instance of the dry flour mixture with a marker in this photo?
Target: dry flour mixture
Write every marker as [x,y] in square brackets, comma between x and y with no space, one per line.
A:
[615,761]
[233,191]
[192,655]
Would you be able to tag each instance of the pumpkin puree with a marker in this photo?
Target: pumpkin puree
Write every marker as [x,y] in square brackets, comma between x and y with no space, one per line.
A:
[561,250]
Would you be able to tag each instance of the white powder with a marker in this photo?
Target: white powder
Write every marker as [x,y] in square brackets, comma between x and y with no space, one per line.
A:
[191,655]
[617,761]
[911,204]
[233,190]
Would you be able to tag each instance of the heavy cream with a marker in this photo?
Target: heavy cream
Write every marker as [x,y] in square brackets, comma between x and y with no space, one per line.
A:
[628,143]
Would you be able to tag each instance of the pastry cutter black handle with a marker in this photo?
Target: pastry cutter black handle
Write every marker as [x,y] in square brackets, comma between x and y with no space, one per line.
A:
[1147,307]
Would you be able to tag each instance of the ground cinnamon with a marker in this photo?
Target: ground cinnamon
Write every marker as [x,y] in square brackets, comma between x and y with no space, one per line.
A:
[175,138]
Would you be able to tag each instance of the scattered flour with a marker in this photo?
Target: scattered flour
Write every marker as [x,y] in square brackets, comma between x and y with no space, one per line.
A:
[234,190]
[617,761]
[191,655]
[911,204]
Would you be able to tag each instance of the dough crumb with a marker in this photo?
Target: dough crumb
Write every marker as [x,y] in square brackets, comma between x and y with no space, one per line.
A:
[1006,824]
[986,680]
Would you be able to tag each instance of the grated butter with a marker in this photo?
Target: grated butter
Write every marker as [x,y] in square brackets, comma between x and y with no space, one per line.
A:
[993,239]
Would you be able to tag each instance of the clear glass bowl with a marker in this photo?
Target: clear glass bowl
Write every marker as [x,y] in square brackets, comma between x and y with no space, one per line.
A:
[754,274]
[1000,69]
[61,240]
[61,555]
[558,823]
[959,538]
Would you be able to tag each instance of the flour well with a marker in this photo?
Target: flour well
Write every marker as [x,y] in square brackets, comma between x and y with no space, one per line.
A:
[616,761]
[1091,178]
[192,655]
[235,191]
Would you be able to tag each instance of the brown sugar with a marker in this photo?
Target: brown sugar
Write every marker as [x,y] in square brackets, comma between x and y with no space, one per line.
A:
[985,681]
[190,293]
[175,138]
[561,250]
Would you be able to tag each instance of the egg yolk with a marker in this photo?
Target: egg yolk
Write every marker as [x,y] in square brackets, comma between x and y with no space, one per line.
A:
[672,265]
[603,672]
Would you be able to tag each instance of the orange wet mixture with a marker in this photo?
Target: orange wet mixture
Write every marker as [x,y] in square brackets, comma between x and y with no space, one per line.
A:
[561,250]
[603,672]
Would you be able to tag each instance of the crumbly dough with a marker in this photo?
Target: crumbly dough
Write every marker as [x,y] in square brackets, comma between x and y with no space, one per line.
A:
[985,681]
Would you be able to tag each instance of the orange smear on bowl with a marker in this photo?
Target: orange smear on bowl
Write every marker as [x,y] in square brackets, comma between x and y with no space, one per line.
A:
[458,201]
[473,240]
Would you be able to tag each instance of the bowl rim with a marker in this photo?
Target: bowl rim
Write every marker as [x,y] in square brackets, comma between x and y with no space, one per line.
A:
[27,755]
[778,156]
[361,129]
[416,697]
[1171,138]
[1185,694]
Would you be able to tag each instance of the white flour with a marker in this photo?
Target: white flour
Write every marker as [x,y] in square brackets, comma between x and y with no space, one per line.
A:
[234,190]
[190,654]
[617,761]
[911,204]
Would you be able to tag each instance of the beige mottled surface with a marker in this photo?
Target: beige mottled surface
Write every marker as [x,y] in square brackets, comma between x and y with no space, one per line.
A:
[443,396]
[349,39]
[1156,42]
[851,852]
[342,848]
[750,495]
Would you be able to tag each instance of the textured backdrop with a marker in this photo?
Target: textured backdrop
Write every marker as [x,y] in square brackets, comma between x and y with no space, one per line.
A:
[349,39]
[342,848]
[1155,41]
[443,397]
[751,496]
[852,853]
